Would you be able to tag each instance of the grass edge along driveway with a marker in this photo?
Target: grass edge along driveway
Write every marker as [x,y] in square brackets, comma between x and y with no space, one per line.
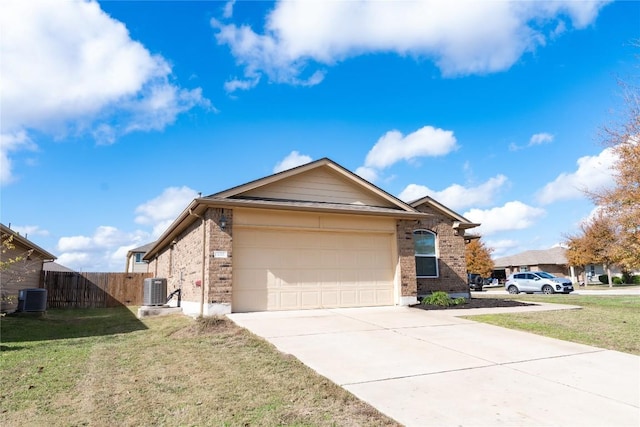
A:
[610,322]
[105,367]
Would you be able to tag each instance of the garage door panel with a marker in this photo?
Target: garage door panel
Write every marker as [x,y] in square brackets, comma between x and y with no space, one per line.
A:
[300,269]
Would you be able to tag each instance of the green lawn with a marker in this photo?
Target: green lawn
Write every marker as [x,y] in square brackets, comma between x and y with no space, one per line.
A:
[610,322]
[105,367]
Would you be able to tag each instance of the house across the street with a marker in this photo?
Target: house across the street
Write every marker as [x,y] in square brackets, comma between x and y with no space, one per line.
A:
[315,236]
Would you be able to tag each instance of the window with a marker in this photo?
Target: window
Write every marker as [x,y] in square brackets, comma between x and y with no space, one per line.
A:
[139,258]
[424,243]
[524,268]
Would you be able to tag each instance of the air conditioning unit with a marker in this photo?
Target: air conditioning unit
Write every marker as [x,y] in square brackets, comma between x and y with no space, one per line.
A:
[32,300]
[155,291]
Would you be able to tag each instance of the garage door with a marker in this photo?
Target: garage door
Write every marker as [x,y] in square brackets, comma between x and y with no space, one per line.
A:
[289,270]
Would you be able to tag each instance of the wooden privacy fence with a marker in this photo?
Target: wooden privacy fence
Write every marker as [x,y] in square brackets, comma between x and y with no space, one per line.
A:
[93,290]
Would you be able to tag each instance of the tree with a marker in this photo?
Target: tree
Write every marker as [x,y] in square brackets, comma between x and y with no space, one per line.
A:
[593,245]
[622,202]
[13,267]
[478,258]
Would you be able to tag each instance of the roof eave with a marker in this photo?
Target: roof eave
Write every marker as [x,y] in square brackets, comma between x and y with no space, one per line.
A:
[28,243]
[198,206]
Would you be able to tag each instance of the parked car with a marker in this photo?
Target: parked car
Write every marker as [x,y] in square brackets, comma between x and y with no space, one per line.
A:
[537,281]
[476,282]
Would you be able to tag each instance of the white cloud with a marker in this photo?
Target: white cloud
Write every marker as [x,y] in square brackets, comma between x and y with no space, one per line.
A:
[91,77]
[105,250]
[456,196]
[500,247]
[536,139]
[394,146]
[480,38]
[78,261]
[165,207]
[30,231]
[228,9]
[512,216]
[593,173]
[540,138]
[369,174]
[12,142]
[75,243]
[292,160]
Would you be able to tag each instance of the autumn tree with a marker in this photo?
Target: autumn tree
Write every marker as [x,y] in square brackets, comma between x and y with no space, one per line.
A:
[478,258]
[593,245]
[621,203]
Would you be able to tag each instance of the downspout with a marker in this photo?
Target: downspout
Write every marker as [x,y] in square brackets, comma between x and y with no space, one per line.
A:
[204,257]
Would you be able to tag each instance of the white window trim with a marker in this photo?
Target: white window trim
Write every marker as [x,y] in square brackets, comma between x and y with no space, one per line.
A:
[436,256]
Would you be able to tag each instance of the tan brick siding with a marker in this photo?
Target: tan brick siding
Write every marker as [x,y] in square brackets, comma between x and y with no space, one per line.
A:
[220,277]
[181,263]
[22,274]
[451,262]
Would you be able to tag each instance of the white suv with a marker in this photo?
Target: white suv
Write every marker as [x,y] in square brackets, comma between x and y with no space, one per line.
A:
[537,281]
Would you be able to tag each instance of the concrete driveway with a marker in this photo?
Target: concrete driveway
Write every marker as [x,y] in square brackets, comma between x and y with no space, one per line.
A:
[431,368]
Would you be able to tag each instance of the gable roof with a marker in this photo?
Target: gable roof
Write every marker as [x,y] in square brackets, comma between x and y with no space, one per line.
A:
[554,256]
[17,238]
[464,223]
[255,194]
[143,249]
[245,191]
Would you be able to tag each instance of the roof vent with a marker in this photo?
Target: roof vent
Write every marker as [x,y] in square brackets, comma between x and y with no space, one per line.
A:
[155,291]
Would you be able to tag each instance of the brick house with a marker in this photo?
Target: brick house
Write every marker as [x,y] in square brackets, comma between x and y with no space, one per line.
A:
[22,274]
[315,236]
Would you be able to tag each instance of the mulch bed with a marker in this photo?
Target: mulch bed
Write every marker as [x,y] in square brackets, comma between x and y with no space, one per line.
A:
[475,303]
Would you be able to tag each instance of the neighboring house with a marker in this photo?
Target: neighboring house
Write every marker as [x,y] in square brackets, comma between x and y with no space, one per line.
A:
[21,274]
[552,260]
[54,266]
[316,236]
[135,259]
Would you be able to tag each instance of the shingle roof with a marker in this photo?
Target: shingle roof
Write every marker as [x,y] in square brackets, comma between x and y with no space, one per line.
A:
[143,248]
[54,266]
[555,256]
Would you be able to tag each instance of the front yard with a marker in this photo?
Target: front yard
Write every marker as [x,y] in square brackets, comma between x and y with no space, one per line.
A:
[104,367]
[610,322]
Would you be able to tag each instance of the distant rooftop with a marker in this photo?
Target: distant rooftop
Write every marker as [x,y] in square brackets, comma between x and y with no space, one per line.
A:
[555,256]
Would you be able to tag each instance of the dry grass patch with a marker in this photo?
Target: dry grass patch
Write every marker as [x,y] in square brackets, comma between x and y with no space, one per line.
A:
[171,371]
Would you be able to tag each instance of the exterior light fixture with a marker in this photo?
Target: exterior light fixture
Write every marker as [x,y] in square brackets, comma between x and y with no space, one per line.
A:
[223,222]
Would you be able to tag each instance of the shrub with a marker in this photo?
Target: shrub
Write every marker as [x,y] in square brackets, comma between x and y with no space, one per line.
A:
[442,299]
[604,279]
[635,280]
[627,277]
[617,280]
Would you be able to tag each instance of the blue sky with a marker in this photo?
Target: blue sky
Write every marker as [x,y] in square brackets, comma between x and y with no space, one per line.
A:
[116,114]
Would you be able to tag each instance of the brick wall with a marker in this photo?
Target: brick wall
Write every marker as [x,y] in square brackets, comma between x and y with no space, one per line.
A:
[21,274]
[451,262]
[220,277]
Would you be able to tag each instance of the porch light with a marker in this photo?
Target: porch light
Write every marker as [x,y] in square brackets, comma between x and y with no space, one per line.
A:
[223,222]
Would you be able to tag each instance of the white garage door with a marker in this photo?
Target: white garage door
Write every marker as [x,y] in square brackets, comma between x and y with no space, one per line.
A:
[289,270]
